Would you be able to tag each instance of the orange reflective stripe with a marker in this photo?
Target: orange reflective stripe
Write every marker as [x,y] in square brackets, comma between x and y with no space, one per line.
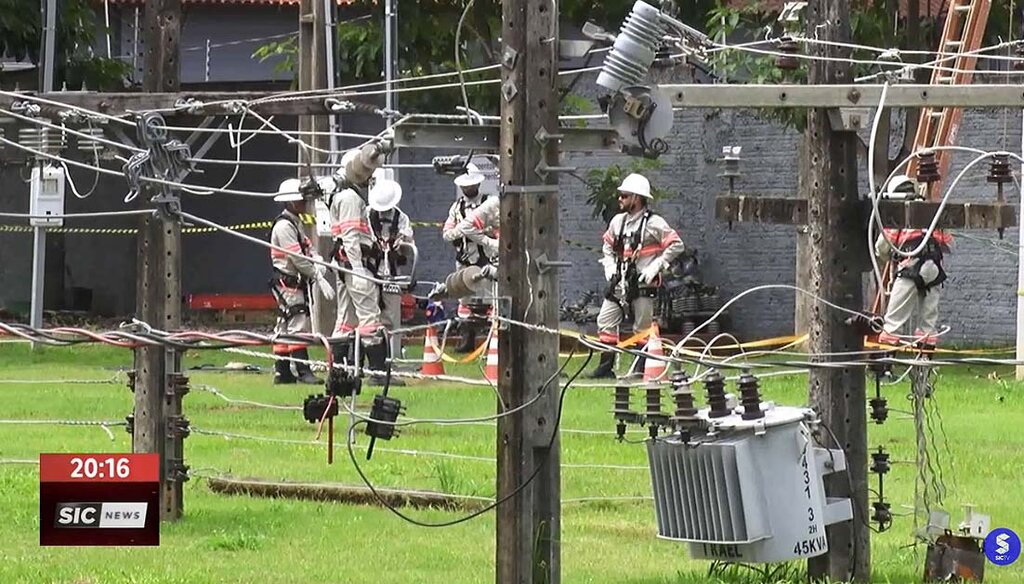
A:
[608,338]
[649,250]
[478,222]
[284,349]
[357,224]
[293,246]
[369,329]
[670,237]
[275,254]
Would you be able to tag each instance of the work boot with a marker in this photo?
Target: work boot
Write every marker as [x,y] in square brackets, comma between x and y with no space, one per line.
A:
[342,353]
[283,373]
[606,368]
[305,373]
[377,356]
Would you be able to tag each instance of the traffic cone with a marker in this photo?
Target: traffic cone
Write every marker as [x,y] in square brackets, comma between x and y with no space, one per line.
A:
[491,368]
[432,363]
[654,369]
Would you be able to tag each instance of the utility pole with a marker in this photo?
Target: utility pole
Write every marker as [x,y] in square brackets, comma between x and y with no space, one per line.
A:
[315,50]
[837,259]
[528,523]
[49,69]
[158,424]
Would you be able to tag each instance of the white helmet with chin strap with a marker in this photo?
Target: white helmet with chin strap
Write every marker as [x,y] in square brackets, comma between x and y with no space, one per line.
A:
[636,184]
[384,195]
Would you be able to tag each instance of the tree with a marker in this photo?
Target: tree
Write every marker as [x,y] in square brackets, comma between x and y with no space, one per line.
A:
[427,29]
[21,36]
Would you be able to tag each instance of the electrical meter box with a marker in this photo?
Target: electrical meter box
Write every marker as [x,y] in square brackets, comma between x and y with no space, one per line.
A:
[323,218]
[47,196]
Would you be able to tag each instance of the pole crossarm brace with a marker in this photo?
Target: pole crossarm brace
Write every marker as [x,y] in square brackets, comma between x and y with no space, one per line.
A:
[415,135]
[909,214]
[837,96]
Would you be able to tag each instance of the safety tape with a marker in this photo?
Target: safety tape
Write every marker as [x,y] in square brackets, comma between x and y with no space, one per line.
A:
[468,358]
[911,349]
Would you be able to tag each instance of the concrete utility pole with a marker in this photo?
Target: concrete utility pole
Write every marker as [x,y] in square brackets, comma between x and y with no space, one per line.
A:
[159,386]
[529,523]
[837,260]
[314,73]
[47,73]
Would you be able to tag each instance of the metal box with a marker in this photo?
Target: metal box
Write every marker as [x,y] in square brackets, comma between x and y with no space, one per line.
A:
[47,195]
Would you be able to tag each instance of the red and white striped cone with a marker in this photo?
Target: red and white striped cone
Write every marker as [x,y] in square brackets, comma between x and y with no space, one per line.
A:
[432,363]
[654,369]
[491,368]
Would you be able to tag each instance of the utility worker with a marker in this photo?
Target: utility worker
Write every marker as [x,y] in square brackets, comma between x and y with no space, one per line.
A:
[468,251]
[916,285]
[394,247]
[638,245]
[293,273]
[358,292]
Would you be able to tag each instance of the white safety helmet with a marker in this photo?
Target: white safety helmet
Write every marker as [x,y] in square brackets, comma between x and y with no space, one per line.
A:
[384,195]
[470,178]
[636,184]
[288,192]
[348,157]
[900,186]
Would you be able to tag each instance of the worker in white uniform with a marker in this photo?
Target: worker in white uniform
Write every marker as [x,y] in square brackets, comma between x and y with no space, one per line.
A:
[638,245]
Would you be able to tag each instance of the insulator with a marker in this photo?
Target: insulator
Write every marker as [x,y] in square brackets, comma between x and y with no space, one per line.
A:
[714,385]
[999,169]
[635,48]
[91,145]
[880,461]
[879,409]
[882,514]
[750,397]
[655,417]
[713,328]
[928,168]
[682,395]
[621,407]
[788,61]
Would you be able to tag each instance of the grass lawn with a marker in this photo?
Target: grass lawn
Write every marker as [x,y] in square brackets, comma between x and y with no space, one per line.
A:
[242,539]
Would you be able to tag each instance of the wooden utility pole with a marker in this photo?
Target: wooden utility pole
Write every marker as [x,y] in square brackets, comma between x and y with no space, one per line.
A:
[313,74]
[529,523]
[837,259]
[158,422]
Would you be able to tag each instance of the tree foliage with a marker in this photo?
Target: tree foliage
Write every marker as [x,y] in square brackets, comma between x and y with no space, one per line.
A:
[21,32]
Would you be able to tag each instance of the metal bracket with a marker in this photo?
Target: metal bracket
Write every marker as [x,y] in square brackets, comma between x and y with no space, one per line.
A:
[544,265]
[509,90]
[131,380]
[177,470]
[509,58]
[177,384]
[848,119]
[543,169]
[503,306]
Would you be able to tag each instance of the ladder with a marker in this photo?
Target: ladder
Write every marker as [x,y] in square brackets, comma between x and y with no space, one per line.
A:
[938,126]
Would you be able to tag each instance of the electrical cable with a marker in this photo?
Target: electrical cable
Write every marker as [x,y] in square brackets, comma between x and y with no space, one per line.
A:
[536,471]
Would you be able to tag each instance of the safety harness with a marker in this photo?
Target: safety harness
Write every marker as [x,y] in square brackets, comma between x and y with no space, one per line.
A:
[631,274]
[933,250]
[461,244]
[285,280]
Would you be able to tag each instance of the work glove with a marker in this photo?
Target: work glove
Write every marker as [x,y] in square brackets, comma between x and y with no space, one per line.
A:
[490,245]
[609,269]
[325,287]
[489,271]
[650,273]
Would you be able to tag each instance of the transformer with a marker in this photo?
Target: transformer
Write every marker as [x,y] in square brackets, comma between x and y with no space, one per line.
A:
[746,490]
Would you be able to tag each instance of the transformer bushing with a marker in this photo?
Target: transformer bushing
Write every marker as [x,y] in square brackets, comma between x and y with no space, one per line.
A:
[654,416]
[623,415]
[714,385]
[634,49]
[750,397]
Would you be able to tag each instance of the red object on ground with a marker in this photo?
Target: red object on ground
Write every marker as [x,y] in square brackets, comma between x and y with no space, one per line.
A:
[408,307]
[232,302]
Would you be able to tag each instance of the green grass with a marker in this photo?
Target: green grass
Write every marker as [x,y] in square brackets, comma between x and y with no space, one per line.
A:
[241,539]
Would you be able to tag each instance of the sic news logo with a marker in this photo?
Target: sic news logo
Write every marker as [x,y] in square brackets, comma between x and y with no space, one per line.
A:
[1002,546]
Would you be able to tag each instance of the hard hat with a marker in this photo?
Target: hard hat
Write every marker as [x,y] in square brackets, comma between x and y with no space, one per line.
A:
[636,184]
[288,192]
[385,195]
[900,184]
[348,157]
[469,179]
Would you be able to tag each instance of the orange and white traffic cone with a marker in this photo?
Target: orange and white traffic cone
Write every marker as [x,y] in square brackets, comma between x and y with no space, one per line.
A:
[654,368]
[432,363]
[491,368]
